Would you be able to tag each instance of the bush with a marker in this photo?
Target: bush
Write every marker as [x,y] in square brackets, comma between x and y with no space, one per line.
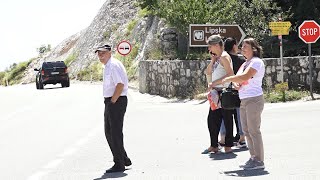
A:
[71,58]
[131,25]
[143,13]
[93,73]
[282,88]
[15,73]
[2,78]
[290,95]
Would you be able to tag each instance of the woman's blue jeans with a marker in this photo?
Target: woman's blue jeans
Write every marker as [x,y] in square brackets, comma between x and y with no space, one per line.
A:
[236,121]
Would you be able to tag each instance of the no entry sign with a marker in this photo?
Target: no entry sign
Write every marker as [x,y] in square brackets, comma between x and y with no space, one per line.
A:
[309,31]
[124,48]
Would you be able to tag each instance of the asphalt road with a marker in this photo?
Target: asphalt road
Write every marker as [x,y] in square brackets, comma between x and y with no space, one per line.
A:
[57,134]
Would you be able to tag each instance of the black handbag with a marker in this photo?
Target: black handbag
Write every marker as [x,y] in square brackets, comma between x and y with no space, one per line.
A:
[229,98]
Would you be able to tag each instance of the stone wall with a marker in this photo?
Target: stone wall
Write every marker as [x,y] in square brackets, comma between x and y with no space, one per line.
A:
[295,70]
[172,78]
[182,78]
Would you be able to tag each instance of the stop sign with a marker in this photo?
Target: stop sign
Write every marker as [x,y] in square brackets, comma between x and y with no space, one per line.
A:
[309,31]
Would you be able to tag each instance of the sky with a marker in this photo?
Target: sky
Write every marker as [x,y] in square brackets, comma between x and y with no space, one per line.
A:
[28,24]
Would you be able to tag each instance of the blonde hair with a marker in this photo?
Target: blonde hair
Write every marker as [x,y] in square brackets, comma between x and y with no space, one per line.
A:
[256,48]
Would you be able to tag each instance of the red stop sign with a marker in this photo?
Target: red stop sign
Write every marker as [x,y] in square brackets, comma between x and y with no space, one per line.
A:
[309,31]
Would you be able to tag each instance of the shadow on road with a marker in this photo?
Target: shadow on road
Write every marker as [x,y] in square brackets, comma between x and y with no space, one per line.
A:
[50,88]
[223,156]
[240,149]
[111,175]
[246,173]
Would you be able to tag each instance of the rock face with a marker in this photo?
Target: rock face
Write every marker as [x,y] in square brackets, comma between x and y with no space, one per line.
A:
[110,26]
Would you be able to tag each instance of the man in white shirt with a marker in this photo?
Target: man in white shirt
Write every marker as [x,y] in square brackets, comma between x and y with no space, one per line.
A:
[115,88]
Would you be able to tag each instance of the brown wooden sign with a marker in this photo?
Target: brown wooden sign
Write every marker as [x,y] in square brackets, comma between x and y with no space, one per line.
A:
[199,33]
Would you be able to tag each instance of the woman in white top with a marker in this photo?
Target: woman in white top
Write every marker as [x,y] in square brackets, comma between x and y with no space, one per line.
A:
[249,82]
[220,67]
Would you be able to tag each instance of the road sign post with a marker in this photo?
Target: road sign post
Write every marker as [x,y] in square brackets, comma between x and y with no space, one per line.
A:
[199,33]
[309,32]
[278,29]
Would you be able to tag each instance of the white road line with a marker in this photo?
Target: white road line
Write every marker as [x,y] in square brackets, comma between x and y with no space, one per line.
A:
[82,141]
[38,175]
[53,164]
[68,152]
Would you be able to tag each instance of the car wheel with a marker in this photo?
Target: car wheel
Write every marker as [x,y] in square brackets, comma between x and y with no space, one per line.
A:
[68,83]
[40,85]
[37,85]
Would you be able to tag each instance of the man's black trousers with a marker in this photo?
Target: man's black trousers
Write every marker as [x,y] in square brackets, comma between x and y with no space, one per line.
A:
[113,125]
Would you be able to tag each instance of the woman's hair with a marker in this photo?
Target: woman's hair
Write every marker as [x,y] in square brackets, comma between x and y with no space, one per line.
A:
[257,49]
[229,43]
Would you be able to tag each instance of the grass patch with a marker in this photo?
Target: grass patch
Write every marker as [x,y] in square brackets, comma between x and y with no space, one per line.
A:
[130,26]
[290,95]
[3,78]
[143,13]
[271,96]
[200,92]
[71,58]
[155,54]
[196,56]
[14,74]
[106,34]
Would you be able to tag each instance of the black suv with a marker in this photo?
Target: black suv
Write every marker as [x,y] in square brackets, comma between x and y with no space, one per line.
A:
[52,73]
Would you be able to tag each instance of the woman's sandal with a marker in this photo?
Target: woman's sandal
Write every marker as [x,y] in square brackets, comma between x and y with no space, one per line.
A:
[227,150]
[213,150]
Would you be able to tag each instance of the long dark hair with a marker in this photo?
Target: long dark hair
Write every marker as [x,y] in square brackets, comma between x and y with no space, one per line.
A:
[257,49]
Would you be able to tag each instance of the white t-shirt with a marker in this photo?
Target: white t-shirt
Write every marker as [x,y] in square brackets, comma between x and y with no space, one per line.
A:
[114,73]
[253,87]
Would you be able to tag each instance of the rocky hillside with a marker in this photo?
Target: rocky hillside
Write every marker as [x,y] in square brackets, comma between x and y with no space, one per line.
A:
[116,20]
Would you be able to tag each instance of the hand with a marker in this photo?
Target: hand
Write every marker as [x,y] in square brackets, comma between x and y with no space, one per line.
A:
[209,87]
[236,86]
[224,80]
[113,101]
[213,57]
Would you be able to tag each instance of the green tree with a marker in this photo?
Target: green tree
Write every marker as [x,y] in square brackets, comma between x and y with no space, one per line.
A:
[150,5]
[43,49]
[252,15]
[299,11]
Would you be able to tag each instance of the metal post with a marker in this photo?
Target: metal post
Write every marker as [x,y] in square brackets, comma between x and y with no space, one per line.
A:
[281,50]
[281,57]
[310,70]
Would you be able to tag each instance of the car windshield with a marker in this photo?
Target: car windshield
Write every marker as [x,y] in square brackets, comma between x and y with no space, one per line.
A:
[48,65]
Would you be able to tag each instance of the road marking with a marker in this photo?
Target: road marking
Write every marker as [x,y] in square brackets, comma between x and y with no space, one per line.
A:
[38,175]
[53,164]
[66,153]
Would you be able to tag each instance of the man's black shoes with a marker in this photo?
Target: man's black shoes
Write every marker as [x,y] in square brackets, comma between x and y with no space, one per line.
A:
[120,168]
[127,161]
[116,168]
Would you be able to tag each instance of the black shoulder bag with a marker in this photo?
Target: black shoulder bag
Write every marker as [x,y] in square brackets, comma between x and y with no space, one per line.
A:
[230,98]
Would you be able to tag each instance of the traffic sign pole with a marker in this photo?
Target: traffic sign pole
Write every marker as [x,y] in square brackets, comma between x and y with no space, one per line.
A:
[309,32]
[281,51]
[310,71]
[281,57]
